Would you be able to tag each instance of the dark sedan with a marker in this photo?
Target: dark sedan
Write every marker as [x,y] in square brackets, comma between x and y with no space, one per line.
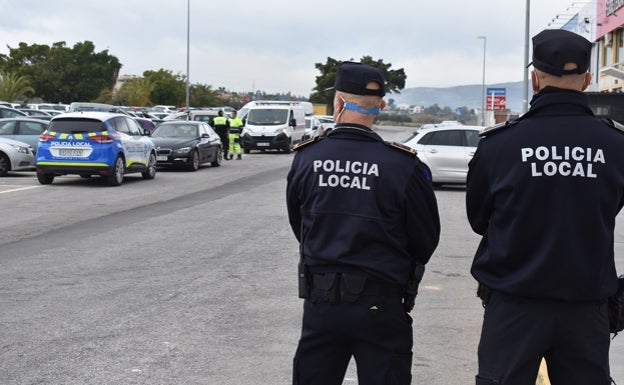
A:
[187,144]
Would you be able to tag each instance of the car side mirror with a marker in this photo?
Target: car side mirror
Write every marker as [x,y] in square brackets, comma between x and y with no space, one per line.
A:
[293,122]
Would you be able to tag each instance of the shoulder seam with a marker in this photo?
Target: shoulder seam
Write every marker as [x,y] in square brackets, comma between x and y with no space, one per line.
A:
[617,125]
[497,127]
[402,147]
[306,142]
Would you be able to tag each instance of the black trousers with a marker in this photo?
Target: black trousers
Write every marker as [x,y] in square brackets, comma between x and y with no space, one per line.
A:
[225,140]
[573,338]
[375,330]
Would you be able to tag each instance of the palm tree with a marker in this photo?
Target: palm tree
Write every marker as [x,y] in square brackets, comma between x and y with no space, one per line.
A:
[13,86]
[138,91]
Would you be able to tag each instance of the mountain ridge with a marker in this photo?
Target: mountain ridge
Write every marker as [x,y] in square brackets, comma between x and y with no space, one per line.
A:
[459,96]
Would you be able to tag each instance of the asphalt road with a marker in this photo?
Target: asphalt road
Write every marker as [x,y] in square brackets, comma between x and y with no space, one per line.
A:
[191,279]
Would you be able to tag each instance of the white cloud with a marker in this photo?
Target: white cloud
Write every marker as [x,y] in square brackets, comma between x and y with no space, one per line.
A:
[273,45]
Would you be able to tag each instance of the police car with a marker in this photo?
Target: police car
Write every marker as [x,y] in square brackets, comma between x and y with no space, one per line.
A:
[95,143]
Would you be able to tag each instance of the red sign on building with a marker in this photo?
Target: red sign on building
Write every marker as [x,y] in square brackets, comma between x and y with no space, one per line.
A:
[496,99]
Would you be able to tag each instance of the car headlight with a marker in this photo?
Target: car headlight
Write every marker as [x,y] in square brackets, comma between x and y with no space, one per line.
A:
[278,130]
[183,150]
[22,149]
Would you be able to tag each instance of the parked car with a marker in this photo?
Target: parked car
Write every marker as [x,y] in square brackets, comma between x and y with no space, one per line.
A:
[197,115]
[446,151]
[24,129]
[15,156]
[187,144]
[165,108]
[8,112]
[312,125]
[327,123]
[41,114]
[95,143]
[145,123]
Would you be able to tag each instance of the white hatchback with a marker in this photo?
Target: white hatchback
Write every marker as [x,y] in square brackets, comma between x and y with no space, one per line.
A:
[446,150]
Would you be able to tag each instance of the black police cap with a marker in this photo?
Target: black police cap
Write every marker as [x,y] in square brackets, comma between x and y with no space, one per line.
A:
[553,48]
[353,77]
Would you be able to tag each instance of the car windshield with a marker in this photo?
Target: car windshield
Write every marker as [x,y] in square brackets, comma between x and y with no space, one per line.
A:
[175,131]
[68,126]
[267,116]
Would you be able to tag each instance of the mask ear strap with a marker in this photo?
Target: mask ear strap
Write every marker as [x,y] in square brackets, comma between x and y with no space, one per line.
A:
[362,110]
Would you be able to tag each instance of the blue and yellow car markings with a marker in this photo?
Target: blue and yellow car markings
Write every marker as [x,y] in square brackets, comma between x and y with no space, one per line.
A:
[77,135]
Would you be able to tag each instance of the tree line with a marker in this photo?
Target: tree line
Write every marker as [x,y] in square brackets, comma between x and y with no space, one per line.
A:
[62,74]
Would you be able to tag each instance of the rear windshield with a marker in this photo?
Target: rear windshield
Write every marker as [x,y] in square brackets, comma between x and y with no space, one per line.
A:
[69,126]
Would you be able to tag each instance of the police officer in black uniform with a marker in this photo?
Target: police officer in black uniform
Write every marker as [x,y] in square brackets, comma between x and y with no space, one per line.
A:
[544,192]
[366,218]
[221,126]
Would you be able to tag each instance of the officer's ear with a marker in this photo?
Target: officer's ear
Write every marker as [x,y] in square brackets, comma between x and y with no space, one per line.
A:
[587,80]
[534,81]
[338,105]
[382,105]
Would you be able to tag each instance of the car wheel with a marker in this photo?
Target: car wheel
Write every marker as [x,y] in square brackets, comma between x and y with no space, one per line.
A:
[150,173]
[288,147]
[218,159]
[5,165]
[45,178]
[116,177]
[246,150]
[193,162]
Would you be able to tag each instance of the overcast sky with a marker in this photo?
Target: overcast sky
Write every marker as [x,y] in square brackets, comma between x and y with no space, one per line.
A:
[272,45]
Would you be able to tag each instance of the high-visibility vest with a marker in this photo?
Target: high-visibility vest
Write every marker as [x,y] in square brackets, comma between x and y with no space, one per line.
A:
[236,122]
[219,121]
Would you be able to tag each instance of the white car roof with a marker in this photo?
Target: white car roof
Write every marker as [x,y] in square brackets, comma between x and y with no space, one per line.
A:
[98,115]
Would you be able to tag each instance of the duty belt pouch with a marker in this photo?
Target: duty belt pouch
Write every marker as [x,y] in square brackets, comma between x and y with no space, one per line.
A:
[616,308]
[484,293]
[351,287]
[327,283]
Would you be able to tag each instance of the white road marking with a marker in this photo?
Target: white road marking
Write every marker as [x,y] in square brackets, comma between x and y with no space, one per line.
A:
[19,189]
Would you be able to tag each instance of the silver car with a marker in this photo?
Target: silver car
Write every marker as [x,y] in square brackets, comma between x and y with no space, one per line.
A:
[446,151]
[15,156]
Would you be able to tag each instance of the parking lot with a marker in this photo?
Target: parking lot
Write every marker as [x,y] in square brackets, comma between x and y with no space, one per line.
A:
[190,278]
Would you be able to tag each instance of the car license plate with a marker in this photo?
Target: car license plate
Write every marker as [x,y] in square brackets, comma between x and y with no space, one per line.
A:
[263,144]
[70,152]
[161,158]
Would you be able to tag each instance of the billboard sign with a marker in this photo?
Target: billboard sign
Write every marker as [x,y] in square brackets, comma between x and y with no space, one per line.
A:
[496,99]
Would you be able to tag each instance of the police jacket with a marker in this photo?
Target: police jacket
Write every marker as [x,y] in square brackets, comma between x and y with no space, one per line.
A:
[544,192]
[358,204]
[221,124]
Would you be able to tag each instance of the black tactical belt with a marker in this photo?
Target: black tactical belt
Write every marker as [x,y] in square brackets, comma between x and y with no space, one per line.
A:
[357,285]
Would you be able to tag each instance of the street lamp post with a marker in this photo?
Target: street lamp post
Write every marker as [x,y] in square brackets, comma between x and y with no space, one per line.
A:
[188,38]
[483,83]
[525,80]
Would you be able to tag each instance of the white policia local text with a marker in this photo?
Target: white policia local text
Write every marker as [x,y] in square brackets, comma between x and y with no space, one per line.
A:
[345,174]
[564,161]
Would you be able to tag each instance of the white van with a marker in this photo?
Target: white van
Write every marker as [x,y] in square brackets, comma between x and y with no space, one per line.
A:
[272,125]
